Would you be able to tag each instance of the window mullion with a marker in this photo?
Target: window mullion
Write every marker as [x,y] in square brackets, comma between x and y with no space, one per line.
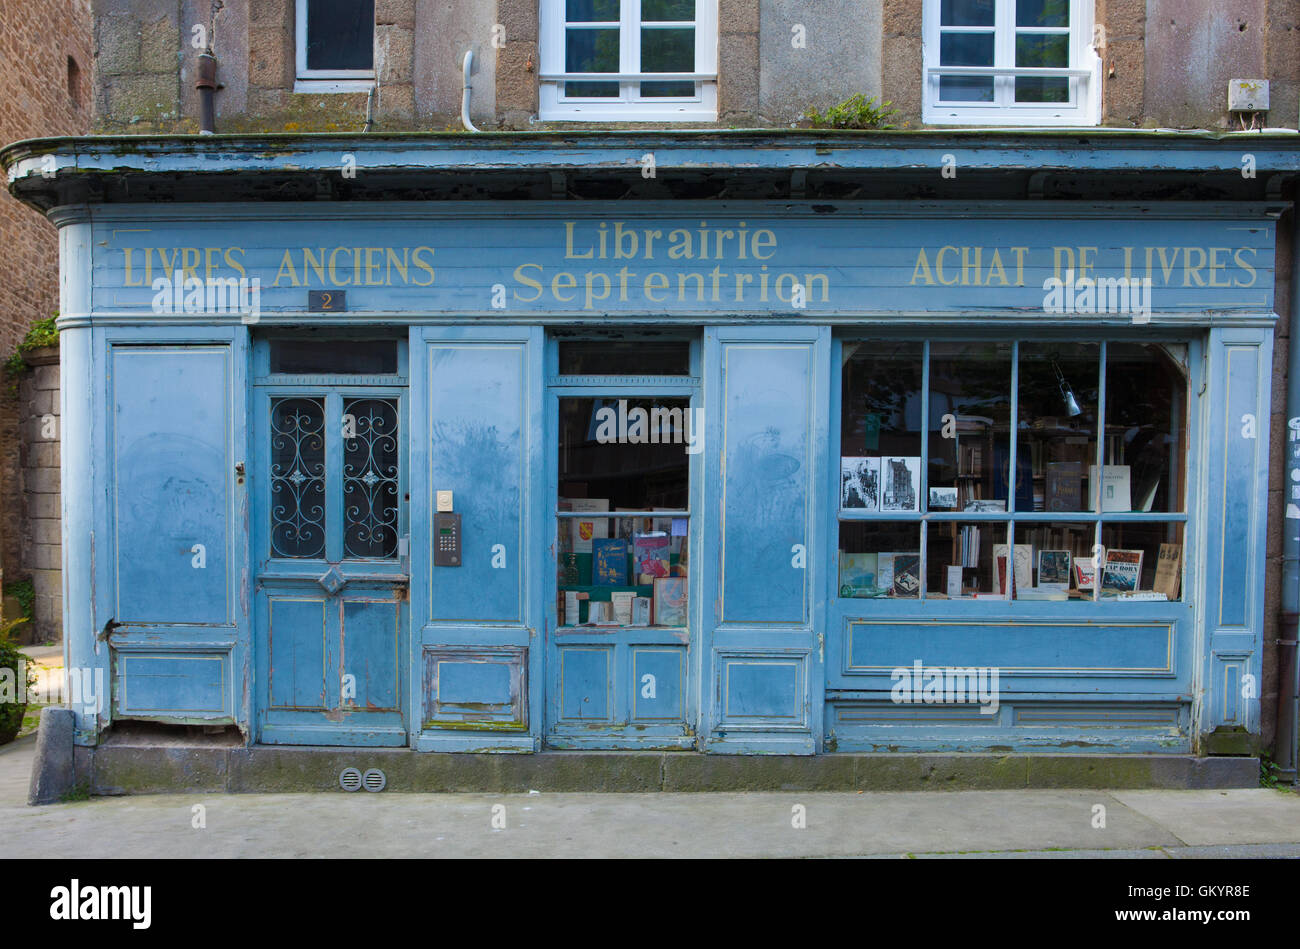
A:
[1004,50]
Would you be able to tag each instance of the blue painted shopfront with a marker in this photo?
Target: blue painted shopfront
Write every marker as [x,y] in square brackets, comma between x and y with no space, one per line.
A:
[251,541]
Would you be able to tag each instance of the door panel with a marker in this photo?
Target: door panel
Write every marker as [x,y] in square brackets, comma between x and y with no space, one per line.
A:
[172,468]
[621,681]
[169,558]
[332,585]
[299,652]
[476,407]
[768,389]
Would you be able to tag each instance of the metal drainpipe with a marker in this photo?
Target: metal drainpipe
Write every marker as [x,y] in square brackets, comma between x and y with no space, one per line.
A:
[1288,717]
[207,86]
[207,82]
[464,98]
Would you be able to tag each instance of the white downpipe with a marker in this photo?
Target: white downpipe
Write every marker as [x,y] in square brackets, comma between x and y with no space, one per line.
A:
[464,97]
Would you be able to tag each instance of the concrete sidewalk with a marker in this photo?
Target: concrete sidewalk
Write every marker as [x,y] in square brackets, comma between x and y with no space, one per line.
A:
[1148,824]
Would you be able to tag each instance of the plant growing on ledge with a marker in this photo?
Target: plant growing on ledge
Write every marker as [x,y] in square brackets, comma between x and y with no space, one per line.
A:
[42,333]
[17,676]
[855,112]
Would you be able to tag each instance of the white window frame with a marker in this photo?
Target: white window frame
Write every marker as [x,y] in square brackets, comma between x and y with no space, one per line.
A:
[324,80]
[630,106]
[1084,73]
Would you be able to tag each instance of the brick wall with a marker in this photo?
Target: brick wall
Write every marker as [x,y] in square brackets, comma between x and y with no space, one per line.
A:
[46,75]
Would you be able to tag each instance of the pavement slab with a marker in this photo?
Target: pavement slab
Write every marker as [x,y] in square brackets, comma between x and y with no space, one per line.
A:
[902,824]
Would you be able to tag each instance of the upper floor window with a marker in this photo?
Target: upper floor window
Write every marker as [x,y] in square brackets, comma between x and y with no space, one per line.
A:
[629,60]
[336,45]
[1010,62]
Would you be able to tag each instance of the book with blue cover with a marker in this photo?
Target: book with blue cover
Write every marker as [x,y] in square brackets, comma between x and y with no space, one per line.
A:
[609,561]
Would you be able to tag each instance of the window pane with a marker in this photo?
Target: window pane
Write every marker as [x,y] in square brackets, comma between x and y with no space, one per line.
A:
[664,10]
[607,463]
[1060,558]
[606,451]
[959,558]
[1057,437]
[1042,51]
[965,89]
[297,478]
[966,49]
[1146,428]
[614,358]
[370,478]
[1043,13]
[970,422]
[591,51]
[1142,559]
[591,11]
[621,571]
[880,559]
[340,34]
[668,90]
[328,357]
[966,12]
[1042,89]
[1050,50]
[591,90]
[671,50]
[880,425]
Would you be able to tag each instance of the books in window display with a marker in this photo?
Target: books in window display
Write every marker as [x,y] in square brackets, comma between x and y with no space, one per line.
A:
[585,530]
[1169,572]
[609,562]
[1064,486]
[651,556]
[858,575]
[900,484]
[860,483]
[900,573]
[1116,491]
[1122,572]
[670,601]
[1022,569]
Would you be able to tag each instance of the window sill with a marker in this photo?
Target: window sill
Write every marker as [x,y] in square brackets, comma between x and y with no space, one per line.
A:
[330,86]
[932,116]
[626,114]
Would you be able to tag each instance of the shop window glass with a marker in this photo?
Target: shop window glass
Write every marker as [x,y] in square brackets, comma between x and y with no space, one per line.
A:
[970,425]
[624,454]
[625,358]
[334,357]
[1054,525]
[1141,557]
[1146,432]
[961,559]
[1058,560]
[1056,438]
[881,559]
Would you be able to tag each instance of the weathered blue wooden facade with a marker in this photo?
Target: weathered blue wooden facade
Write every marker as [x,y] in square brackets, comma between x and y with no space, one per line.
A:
[781,264]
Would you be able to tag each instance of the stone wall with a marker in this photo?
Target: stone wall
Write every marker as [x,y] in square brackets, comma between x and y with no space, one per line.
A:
[46,75]
[42,533]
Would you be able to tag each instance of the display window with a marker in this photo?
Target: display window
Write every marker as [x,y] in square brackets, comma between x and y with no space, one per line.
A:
[1012,469]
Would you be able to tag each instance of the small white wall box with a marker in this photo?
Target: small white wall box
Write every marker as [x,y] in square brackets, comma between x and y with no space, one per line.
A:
[444,500]
[1247,95]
